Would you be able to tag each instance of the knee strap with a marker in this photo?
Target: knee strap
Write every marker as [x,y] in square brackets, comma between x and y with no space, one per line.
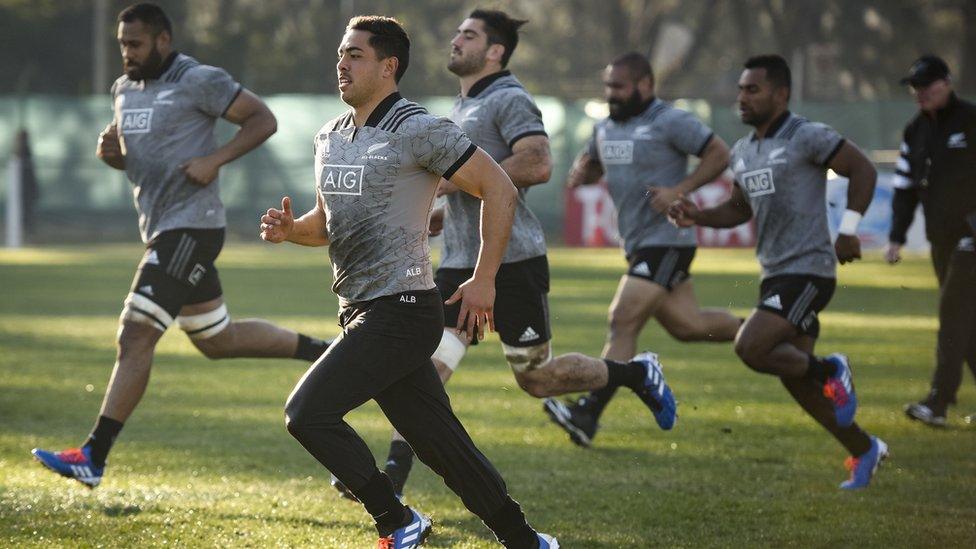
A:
[450,350]
[205,325]
[139,308]
[526,359]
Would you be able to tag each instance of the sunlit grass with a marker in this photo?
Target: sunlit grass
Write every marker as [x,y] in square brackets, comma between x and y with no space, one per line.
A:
[205,461]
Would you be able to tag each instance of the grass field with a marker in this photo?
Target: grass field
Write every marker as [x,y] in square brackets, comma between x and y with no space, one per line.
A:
[205,461]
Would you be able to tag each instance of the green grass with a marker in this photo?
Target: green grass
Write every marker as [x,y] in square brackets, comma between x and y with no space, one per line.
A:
[205,460]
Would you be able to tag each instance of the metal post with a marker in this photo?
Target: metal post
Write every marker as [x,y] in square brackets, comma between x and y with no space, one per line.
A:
[99,52]
[15,211]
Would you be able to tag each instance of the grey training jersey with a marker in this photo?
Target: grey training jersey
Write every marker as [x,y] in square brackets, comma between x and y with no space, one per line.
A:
[784,175]
[497,112]
[650,149]
[162,123]
[377,183]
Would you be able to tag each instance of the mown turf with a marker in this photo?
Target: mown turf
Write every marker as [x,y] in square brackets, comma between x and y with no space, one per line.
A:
[205,461]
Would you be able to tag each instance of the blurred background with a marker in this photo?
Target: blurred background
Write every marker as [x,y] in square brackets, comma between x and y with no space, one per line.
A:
[60,57]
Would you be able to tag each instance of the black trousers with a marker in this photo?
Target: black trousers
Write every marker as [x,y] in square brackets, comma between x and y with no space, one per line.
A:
[956,271]
[384,354]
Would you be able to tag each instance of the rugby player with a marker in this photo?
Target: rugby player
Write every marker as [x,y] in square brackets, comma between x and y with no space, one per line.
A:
[642,150]
[377,168]
[780,178]
[162,135]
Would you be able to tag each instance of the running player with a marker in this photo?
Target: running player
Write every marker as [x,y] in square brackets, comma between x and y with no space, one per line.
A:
[166,105]
[780,174]
[499,116]
[642,150]
[377,168]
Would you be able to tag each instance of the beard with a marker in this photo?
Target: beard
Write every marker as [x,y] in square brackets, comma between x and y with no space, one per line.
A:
[622,109]
[465,65]
[148,68]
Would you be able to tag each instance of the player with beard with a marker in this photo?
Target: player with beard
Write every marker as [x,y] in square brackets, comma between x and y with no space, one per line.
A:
[780,176]
[499,116]
[642,150]
[162,135]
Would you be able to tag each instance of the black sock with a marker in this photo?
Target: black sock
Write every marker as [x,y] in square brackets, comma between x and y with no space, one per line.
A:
[380,502]
[820,370]
[631,374]
[310,348]
[509,526]
[398,464]
[101,438]
[597,400]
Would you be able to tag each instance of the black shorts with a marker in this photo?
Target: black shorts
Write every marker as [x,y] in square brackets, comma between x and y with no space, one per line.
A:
[798,299]
[178,268]
[521,300]
[665,266]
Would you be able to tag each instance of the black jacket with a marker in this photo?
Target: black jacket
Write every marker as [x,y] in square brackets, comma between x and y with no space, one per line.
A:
[937,167]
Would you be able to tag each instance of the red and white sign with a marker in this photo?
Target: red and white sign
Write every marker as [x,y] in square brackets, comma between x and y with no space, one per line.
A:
[591,219]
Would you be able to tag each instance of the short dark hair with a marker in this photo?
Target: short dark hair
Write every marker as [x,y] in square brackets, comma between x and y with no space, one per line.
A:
[777,70]
[389,39]
[151,15]
[636,63]
[501,29]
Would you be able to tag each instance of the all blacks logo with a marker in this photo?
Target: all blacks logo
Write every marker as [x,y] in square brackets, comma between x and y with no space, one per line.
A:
[136,121]
[341,179]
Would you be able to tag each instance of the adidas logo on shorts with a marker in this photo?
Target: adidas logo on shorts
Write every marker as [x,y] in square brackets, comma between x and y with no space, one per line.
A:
[641,269]
[528,335]
[774,302]
[152,258]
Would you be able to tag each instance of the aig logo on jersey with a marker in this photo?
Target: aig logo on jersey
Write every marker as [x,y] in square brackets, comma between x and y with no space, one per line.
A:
[136,121]
[759,182]
[617,152]
[341,179]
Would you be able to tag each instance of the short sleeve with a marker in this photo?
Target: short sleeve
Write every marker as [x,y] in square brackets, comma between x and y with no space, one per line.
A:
[518,117]
[441,147]
[213,89]
[687,133]
[818,143]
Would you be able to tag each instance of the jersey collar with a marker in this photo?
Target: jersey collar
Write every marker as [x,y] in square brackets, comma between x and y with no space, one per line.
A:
[167,64]
[482,85]
[382,109]
[774,127]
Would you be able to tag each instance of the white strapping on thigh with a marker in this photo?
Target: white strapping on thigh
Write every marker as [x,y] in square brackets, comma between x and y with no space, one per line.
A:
[526,359]
[139,308]
[205,325]
[450,350]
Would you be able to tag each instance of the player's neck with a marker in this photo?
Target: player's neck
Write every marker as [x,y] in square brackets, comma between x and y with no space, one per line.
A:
[469,81]
[774,122]
[361,113]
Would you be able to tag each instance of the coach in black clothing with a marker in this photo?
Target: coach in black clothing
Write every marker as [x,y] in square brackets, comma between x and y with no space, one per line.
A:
[937,167]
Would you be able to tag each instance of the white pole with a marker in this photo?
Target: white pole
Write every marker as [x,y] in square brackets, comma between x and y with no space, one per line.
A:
[15,212]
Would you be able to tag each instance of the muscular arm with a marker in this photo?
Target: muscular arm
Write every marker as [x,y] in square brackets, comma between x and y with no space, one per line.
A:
[109,148]
[257,123]
[530,163]
[851,163]
[714,160]
[308,230]
[586,170]
[734,211]
[480,176]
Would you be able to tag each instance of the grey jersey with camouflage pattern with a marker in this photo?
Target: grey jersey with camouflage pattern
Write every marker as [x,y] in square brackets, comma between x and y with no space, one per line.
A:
[377,184]
[784,176]
[650,149]
[496,113]
[162,123]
